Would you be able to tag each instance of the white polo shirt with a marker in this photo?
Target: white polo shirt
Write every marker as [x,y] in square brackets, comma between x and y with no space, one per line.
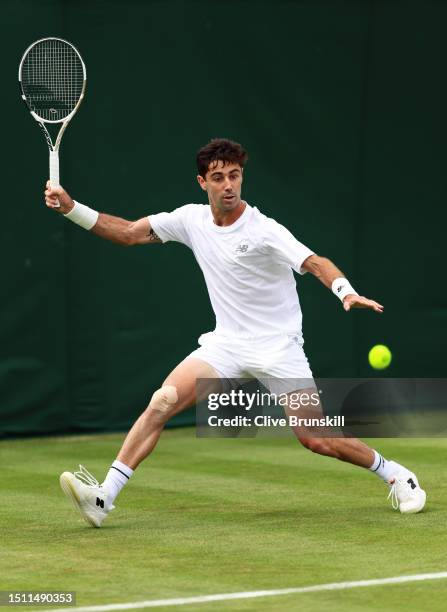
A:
[247,268]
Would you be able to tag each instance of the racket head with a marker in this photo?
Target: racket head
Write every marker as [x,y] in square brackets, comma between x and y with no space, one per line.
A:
[52,78]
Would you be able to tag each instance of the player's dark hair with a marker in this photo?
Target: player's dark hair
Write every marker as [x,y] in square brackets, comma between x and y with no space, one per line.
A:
[220,149]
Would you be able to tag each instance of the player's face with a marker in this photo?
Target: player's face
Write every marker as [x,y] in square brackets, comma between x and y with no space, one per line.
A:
[223,183]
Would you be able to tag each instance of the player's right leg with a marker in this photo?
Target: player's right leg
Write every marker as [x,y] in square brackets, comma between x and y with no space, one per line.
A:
[178,392]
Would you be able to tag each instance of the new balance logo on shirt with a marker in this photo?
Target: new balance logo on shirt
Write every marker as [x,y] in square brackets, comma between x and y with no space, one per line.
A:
[242,248]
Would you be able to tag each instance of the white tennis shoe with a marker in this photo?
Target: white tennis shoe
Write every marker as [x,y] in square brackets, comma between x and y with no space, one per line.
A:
[87,495]
[406,494]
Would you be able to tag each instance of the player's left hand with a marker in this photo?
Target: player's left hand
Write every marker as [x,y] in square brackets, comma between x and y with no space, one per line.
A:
[358,301]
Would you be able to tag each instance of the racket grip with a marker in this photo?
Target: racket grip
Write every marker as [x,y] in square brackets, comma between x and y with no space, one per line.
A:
[54,169]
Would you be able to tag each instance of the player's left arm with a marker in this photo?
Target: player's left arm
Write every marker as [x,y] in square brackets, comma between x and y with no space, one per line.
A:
[327,272]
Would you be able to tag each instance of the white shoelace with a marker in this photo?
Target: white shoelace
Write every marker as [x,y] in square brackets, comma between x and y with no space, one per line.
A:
[84,476]
[393,495]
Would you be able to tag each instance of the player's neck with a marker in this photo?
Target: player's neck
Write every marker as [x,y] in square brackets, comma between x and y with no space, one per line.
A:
[227,217]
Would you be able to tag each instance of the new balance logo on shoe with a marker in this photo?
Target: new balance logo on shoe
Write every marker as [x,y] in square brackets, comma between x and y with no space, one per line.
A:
[88,497]
[411,483]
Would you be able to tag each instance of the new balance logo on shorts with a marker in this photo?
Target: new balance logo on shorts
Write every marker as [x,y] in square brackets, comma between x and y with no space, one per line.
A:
[100,502]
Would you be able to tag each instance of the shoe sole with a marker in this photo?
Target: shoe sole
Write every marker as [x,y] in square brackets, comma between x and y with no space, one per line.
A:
[68,489]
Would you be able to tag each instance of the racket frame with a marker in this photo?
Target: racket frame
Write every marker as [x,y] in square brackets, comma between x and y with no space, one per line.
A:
[53,148]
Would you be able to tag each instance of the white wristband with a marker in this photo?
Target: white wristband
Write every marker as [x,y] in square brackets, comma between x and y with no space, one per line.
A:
[83,215]
[341,287]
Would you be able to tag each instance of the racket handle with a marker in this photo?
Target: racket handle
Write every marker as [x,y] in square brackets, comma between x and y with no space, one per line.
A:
[54,169]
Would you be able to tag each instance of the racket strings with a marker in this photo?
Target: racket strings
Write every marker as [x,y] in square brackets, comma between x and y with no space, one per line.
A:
[52,79]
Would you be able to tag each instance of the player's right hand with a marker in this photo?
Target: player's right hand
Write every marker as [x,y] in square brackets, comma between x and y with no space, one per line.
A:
[58,198]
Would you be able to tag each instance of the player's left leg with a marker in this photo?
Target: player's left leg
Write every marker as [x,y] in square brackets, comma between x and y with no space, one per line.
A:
[405,491]
[350,450]
[290,364]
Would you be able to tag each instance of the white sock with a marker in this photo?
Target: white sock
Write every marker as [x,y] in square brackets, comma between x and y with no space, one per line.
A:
[383,468]
[116,478]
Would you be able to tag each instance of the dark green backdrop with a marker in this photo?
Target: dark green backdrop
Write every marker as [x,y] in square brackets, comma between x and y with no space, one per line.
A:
[341,106]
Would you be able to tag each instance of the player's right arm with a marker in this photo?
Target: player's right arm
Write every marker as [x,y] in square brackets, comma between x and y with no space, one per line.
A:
[112,228]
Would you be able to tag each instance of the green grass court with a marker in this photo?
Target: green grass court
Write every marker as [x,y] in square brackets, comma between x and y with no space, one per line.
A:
[205,516]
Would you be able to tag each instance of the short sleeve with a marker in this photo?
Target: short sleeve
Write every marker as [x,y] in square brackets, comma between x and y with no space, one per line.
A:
[284,247]
[172,226]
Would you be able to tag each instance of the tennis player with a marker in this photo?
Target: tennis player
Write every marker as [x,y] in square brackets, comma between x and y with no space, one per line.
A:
[248,261]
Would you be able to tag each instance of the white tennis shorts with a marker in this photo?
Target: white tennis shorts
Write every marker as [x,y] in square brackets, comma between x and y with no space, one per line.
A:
[278,357]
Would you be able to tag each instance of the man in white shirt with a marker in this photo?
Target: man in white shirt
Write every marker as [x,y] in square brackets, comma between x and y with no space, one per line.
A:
[247,260]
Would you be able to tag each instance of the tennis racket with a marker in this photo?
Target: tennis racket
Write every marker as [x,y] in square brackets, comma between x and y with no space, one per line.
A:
[52,79]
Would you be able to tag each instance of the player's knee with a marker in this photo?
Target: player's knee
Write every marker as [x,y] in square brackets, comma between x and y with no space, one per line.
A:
[163,401]
[320,446]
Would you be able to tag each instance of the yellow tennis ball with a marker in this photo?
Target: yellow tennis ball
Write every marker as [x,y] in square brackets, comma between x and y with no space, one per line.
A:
[379,357]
